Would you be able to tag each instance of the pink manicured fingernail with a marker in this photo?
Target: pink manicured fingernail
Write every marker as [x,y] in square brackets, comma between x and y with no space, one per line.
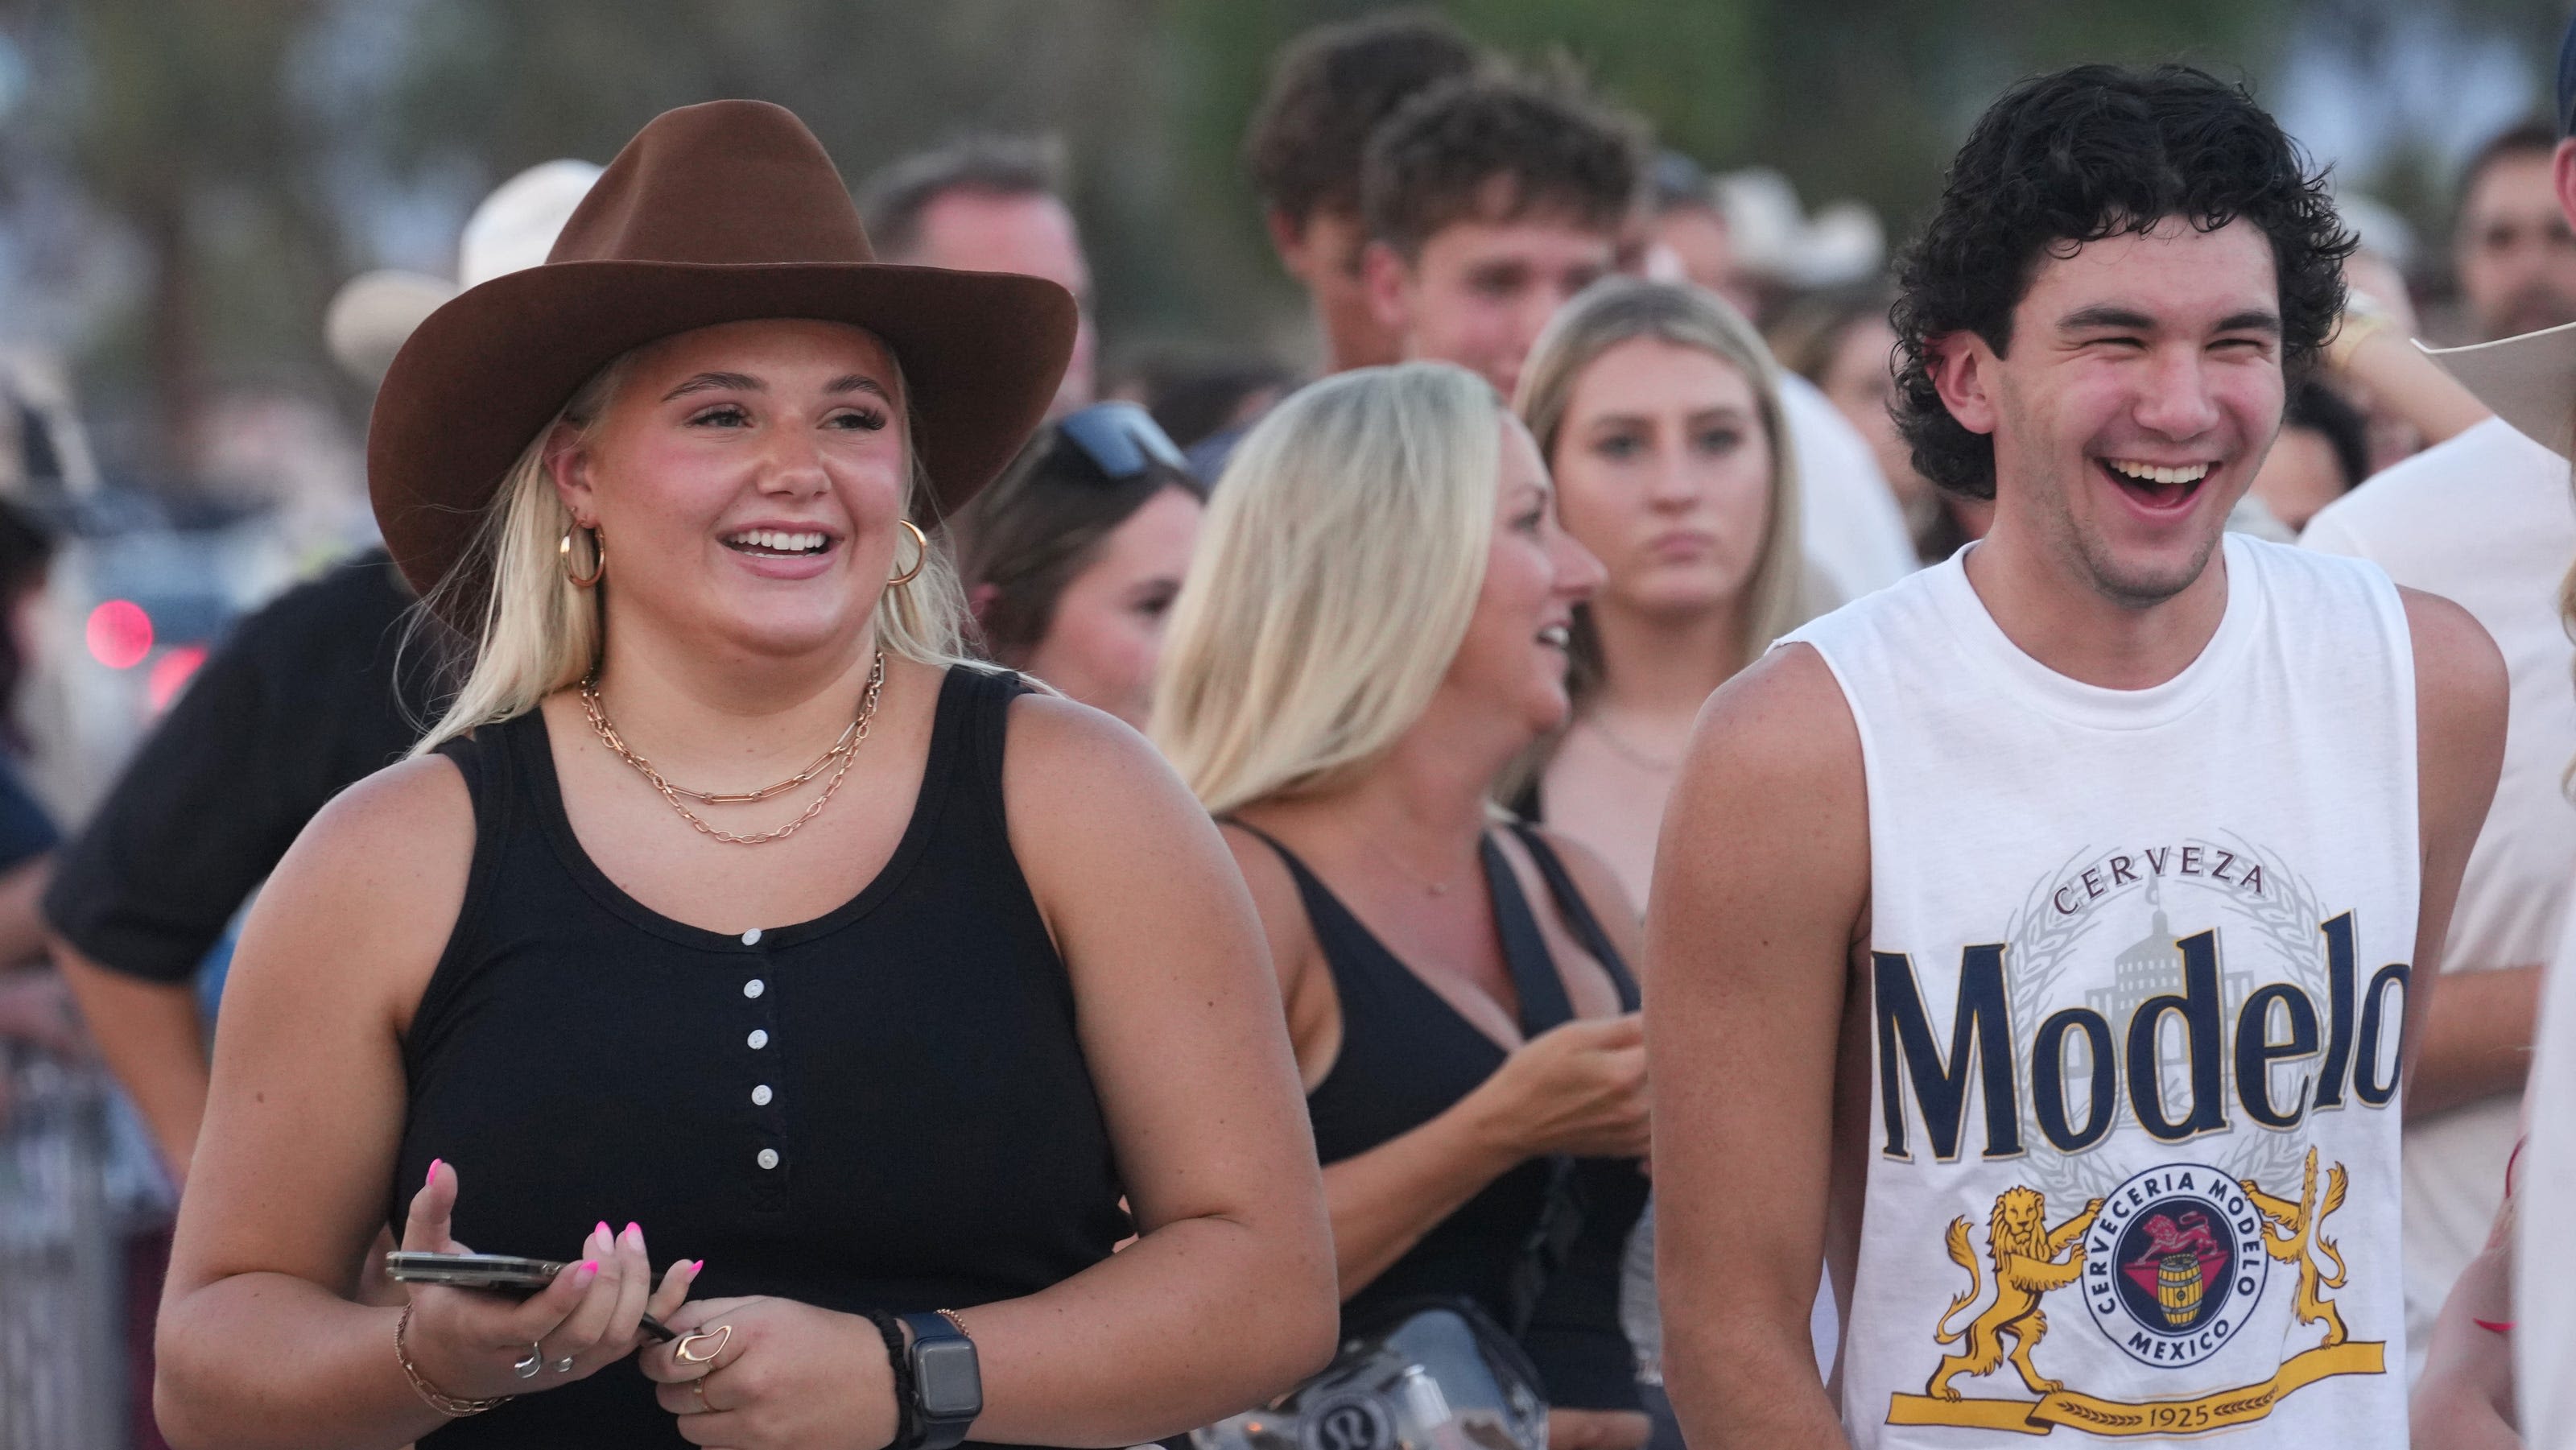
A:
[589,1271]
[602,1232]
[634,1231]
[433,1171]
[694,1268]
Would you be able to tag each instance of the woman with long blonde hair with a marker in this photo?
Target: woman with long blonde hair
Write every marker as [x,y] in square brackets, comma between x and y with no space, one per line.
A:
[1657,409]
[726,899]
[1374,628]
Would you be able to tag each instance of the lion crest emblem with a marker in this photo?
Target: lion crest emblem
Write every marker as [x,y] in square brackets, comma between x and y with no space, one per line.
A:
[2031,1260]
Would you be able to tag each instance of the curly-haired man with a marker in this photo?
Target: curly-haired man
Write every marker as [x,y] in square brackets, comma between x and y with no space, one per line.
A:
[2102,870]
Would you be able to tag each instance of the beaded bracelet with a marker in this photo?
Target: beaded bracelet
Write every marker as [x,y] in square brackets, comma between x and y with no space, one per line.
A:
[452,1406]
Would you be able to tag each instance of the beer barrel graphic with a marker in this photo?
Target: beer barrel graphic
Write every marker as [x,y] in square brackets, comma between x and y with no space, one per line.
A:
[2178,1286]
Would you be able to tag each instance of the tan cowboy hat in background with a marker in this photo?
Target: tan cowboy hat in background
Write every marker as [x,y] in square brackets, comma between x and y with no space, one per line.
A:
[373,313]
[715,213]
[2529,381]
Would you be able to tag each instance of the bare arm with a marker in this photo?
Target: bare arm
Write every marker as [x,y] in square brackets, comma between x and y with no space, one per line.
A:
[2401,379]
[2477,1039]
[2460,691]
[1761,886]
[2464,1400]
[22,917]
[154,1042]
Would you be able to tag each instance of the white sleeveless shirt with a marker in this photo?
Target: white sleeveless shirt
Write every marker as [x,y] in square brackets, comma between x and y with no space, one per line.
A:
[2139,966]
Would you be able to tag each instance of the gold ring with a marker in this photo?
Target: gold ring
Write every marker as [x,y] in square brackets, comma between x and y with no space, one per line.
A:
[720,1334]
[699,1387]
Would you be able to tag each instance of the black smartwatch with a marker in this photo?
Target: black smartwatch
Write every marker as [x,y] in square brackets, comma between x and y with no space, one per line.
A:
[947,1383]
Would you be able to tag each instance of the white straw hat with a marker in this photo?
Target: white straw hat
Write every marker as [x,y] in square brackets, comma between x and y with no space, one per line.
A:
[515,227]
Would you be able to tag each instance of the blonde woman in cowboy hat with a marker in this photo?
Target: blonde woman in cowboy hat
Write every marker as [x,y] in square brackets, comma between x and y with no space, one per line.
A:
[724,900]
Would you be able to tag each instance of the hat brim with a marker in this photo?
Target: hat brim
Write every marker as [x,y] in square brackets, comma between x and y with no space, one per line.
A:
[2529,381]
[981,353]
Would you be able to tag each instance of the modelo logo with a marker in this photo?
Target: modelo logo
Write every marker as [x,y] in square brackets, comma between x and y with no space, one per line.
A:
[1981,1041]
[2174,1263]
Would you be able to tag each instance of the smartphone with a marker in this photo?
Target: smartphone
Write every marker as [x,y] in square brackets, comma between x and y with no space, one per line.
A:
[486,1271]
[470,1271]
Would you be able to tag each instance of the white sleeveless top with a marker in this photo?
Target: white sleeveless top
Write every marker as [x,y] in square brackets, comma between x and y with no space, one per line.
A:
[2139,960]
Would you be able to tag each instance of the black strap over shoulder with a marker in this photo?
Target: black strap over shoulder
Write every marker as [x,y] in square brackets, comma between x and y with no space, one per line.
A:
[1578,913]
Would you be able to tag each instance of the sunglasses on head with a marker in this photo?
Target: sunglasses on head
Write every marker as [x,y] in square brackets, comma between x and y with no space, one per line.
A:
[1120,439]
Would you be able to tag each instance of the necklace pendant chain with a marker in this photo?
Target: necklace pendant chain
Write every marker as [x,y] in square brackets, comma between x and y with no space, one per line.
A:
[844,751]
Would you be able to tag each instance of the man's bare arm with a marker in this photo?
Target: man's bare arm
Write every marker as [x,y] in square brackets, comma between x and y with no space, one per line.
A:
[153,1041]
[2477,1040]
[2460,690]
[1761,883]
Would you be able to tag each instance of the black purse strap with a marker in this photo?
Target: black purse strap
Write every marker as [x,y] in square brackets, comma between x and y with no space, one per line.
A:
[1544,1007]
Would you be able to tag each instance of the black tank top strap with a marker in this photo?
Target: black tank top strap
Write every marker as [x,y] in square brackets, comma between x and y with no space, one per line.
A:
[985,697]
[1544,1003]
[1577,913]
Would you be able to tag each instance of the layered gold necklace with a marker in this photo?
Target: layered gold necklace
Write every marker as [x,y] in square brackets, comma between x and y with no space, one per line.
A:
[843,753]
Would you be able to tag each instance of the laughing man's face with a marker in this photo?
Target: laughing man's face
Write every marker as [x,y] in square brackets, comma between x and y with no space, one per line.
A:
[2142,388]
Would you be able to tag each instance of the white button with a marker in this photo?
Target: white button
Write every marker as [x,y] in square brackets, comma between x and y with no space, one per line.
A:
[760,1096]
[759,1038]
[751,938]
[768,1158]
[754,987]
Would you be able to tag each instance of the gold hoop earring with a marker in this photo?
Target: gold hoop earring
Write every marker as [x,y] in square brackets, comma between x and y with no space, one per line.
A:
[598,556]
[920,554]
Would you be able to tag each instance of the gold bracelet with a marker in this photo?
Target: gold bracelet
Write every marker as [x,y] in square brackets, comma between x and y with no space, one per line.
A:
[957,1322]
[446,1404]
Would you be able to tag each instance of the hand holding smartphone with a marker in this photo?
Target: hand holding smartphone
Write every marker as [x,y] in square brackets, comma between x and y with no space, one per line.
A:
[497,1273]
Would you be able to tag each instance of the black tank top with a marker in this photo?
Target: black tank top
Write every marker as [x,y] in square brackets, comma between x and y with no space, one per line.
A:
[885,1107]
[1407,1056]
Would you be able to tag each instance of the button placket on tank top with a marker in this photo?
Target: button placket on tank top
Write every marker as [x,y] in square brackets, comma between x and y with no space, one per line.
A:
[755,1032]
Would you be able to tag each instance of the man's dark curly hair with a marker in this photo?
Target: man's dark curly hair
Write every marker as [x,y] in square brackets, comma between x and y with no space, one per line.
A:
[1330,89]
[2087,153]
[1497,148]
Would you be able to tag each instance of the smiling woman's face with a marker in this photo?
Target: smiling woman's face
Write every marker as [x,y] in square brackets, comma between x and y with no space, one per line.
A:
[746,480]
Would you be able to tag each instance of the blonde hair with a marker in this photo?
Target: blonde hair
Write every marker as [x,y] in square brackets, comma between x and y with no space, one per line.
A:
[1619,309]
[1336,573]
[539,633]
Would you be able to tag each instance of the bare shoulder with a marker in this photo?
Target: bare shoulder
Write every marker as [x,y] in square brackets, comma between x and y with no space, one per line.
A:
[1064,756]
[1782,720]
[374,881]
[2459,673]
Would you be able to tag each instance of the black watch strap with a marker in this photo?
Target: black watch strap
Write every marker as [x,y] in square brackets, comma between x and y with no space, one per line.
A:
[946,1383]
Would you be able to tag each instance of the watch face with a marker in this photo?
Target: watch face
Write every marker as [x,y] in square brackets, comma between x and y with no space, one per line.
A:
[946,1378]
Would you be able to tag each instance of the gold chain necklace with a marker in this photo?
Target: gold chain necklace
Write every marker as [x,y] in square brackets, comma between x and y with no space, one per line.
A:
[845,750]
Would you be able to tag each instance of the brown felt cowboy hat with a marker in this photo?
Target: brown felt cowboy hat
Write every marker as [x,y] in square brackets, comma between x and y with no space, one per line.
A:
[716,213]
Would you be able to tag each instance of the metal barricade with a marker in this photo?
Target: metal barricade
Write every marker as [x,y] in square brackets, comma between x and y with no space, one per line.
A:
[62,1349]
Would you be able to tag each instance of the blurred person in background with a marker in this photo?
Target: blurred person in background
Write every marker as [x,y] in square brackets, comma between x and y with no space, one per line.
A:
[1867,515]
[309,693]
[1374,628]
[2483,516]
[35,1009]
[1329,89]
[1196,398]
[2321,453]
[1656,408]
[901,1055]
[1688,232]
[2511,248]
[989,204]
[1490,201]
[1071,559]
[1839,342]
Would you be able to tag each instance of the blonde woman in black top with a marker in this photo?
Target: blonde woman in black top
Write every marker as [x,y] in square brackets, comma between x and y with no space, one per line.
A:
[890,1037]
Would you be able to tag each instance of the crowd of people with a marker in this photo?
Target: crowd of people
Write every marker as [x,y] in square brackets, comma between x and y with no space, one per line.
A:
[1653,858]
